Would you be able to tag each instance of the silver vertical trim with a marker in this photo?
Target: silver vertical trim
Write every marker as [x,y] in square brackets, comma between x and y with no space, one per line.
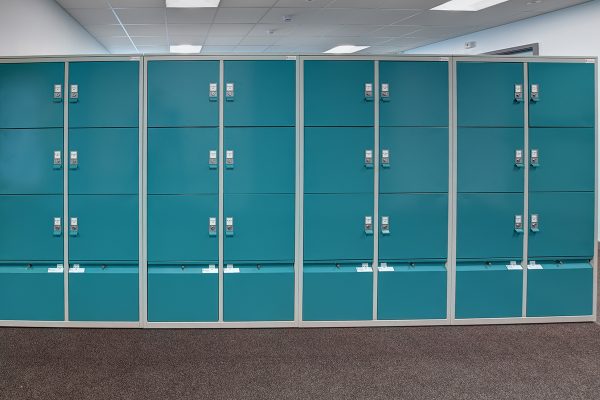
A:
[298,197]
[375,188]
[451,260]
[221,179]
[142,196]
[300,191]
[66,191]
[525,184]
[595,259]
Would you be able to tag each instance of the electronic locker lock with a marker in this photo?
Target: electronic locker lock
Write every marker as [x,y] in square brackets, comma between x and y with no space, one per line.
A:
[57,229]
[385,225]
[229,226]
[229,159]
[519,223]
[212,159]
[57,93]
[535,223]
[535,92]
[368,225]
[212,226]
[519,158]
[57,160]
[368,158]
[73,226]
[385,92]
[535,158]
[518,93]
[73,159]
[368,91]
[74,94]
[385,158]
[213,92]
[229,91]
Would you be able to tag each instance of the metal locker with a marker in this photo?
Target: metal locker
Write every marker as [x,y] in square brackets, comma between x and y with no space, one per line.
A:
[260,160]
[183,228]
[565,94]
[183,293]
[338,160]
[103,161]
[490,160]
[103,292]
[34,95]
[259,227]
[32,292]
[31,161]
[31,227]
[565,159]
[337,292]
[561,224]
[103,94]
[338,227]
[103,228]
[259,93]
[416,95]
[486,94]
[413,160]
[413,226]
[487,226]
[180,93]
[338,93]
[183,160]
[407,292]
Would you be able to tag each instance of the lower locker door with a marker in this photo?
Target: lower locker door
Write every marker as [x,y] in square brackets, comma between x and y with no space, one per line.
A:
[188,293]
[32,293]
[258,293]
[560,289]
[412,292]
[103,292]
[489,291]
[342,292]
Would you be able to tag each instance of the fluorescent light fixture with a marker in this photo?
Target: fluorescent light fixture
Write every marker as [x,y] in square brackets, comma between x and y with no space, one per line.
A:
[346,49]
[192,3]
[467,5]
[185,48]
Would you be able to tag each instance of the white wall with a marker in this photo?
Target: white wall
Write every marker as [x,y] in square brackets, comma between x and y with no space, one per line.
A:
[42,27]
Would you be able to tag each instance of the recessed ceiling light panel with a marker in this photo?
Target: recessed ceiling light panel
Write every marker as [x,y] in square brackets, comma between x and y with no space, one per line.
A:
[185,48]
[345,49]
[192,3]
[467,5]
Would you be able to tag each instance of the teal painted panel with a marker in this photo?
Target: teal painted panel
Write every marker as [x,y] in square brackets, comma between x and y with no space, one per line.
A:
[418,227]
[334,160]
[418,93]
[259,293]
[486,226]
[28,228]
[108,228]
[104,293]
[334,93]
[566,94]
[264,227]
[264,160]
[27,91]
[489,102]
[490,152]
[334,227]
[408,148]
[566,224]
[182,294]
[178,160]
[178,93]
[108,94]
[560,290]
[337,293]
[264,93]
[107,161]
[488,291]
[566,159]
[27,161]
[178,228]
[412,292]
[31,293]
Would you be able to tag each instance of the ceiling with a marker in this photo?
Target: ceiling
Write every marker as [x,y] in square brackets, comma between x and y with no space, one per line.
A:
[258,26]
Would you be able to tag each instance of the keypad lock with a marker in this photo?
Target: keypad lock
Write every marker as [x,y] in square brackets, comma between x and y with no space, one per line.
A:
[73,160]
[229,226]
[229,159]
[212,226]
[369,225]
[385,92]
[535,158]
[212,159]
[518,93]
[57,93]
[57,229]
[368,91]
[213,92]
[385,225]
[519,223]
[229,91]
[535,92]
[73,226]
[535,223]
[519,158]
[369,158]
[74,94]
[385,158]
[57,160]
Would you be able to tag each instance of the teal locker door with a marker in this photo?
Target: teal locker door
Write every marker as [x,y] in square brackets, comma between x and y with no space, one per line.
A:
[486,226]
[565,159]
[107,228]
[417,226]
[334,227]
[490,152]
[418,93]
[107,161]
[27,91]
[263,227]
[28,228]
[179,228]
[566,95]
[565,224]
[334,93]
[263,160]
[108,93]
[27,161]
[489,102]
[179,93]
[334,160]
[417,160]
[179,160]
[264,93]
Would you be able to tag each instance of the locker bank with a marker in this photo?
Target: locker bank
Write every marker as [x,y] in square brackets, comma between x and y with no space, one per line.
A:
[284,191]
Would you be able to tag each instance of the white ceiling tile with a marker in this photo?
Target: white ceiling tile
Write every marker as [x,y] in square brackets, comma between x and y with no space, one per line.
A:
[146,29]
[190,15]
[382,50]
[259,41]
[389,4]
[396,30]
[87,16]
[210,49]
[83,3]
[276,29]
[153,49]
[223,40]
[239,15]
[136,3]
[118,45]
[105,30]
[230,29]
[283,49]
[250,49]
[275,15]
[363,16]
[313,30]
[247,3]
[186,39]
[303,3]
[150,40]
[353,30]
[188,29]
[141,15]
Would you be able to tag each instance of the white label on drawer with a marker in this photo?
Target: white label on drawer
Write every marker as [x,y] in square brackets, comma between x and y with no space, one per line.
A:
[364,268]
[59,269]
[231,269]
[534,266]
[514,267]
[212,269]
[76,269]
[384,267]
